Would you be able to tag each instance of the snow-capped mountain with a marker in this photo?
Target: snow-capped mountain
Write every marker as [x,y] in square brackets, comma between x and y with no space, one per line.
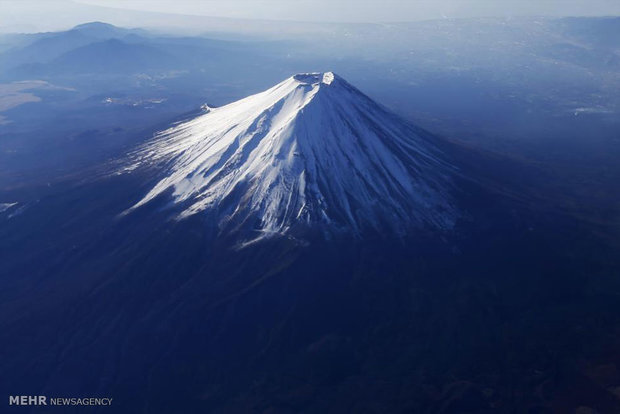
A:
[311,151]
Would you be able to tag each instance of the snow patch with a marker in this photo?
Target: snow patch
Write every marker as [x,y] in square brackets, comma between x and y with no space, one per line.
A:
[328,78]
[6,206]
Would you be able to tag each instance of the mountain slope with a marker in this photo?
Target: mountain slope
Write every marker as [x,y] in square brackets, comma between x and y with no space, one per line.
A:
[110,56]
[42,48]
[312,151]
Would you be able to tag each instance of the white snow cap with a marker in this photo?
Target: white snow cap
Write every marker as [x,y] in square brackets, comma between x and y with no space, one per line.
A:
[311,151]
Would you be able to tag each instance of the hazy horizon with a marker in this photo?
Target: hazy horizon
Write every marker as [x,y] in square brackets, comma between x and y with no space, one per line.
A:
[33,16]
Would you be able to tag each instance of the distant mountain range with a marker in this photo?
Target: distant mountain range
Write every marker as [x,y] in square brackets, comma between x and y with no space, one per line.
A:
[45,47]
[101,48]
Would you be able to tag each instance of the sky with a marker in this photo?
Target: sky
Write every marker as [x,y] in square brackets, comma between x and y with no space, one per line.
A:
[368,10]
[34,15]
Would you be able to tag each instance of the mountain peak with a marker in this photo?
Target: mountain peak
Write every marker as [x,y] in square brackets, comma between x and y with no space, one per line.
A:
[95,24]
[103,31]
[291,158]
[314,78]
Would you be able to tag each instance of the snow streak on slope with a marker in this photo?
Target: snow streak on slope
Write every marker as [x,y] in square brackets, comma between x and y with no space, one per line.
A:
[311,151]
